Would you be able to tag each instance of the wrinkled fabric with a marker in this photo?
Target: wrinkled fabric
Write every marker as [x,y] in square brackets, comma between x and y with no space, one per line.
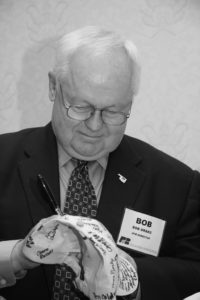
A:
[89,249]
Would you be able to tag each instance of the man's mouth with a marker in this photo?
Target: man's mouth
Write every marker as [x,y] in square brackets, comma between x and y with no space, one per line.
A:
[90,136]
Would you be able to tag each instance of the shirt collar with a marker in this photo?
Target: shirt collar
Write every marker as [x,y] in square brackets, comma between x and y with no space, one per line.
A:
[64,158]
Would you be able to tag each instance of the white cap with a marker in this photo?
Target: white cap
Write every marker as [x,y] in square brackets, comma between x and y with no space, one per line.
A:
[83,243]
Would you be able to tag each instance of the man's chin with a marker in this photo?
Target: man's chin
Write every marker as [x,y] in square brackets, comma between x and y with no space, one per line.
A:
[88,153]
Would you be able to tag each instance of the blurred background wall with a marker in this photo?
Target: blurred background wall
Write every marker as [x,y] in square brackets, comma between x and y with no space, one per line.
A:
[166,112]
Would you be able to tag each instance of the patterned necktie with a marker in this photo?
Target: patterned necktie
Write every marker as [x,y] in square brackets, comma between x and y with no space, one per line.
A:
[81,201]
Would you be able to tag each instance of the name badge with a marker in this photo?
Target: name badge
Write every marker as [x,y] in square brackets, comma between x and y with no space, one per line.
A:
[141,232]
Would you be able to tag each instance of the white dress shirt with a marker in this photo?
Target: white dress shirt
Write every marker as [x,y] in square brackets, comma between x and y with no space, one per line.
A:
[66,165]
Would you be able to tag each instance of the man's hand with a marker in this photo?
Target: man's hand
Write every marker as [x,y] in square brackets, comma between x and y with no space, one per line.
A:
[19,262]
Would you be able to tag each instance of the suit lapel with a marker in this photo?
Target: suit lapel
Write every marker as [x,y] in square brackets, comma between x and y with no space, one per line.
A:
[117,195]
[40,156]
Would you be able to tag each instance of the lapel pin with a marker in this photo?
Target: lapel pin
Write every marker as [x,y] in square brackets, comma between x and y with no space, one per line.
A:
[122,178]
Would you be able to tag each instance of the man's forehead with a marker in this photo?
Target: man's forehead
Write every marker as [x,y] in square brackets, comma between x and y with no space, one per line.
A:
[101,68]
[101,63]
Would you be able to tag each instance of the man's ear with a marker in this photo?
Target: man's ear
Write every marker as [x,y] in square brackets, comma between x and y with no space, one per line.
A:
[52,86]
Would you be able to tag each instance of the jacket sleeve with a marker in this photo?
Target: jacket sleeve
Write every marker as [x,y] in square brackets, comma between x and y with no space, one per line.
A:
[179,276]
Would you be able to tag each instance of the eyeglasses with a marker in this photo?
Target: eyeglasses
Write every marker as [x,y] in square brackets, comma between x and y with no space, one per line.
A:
[83,113]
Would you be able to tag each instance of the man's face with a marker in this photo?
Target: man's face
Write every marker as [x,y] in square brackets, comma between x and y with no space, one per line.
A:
[102,82]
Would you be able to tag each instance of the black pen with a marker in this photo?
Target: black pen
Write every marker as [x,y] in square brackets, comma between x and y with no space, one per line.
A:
[49,194]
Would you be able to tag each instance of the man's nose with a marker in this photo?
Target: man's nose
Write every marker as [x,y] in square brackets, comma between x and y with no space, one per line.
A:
[95,121]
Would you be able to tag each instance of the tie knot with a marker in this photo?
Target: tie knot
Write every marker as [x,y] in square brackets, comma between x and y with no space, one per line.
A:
[79,162]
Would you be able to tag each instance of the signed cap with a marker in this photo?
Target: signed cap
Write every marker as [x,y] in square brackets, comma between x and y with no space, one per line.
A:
[88,248]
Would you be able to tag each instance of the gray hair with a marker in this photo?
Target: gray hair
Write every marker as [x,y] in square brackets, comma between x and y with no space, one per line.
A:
[98,40]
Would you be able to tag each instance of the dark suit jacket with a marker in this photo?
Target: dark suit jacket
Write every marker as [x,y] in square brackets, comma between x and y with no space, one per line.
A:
[156,184]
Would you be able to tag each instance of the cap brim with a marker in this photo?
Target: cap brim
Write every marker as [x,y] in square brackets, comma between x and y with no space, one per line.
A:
[128,278]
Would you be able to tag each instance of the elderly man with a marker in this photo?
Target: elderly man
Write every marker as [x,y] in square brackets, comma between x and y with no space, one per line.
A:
[148,201]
